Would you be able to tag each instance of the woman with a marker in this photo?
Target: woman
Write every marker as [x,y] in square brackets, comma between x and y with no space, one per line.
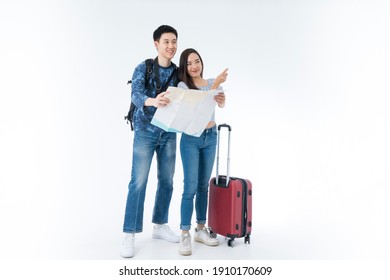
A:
[197,154]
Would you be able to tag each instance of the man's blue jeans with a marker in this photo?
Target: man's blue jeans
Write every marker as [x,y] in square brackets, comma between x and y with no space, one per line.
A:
[198,156]
[144,146]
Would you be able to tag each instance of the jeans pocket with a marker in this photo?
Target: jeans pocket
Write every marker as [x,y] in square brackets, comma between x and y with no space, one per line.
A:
[215,132]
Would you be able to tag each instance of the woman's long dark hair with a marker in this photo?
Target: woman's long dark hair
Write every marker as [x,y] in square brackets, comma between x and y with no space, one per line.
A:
[183,74]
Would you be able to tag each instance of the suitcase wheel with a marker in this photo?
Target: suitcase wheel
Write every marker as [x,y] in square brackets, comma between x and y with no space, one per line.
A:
[231,242]
[247,239]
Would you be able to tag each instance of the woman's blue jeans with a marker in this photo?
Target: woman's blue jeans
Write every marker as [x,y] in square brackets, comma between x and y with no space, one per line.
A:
[144,146]
[198,156]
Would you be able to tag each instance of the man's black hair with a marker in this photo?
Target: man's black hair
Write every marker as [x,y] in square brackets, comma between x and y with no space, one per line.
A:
[163,29]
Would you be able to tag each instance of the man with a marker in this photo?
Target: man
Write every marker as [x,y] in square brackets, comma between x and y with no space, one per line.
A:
[149,139]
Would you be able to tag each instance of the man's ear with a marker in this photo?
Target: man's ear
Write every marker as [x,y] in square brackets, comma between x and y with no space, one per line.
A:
[156,44]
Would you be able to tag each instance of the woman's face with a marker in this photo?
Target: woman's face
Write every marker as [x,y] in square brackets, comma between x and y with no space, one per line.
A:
[194,66]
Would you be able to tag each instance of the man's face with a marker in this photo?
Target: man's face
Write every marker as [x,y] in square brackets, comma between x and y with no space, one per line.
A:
[167,45]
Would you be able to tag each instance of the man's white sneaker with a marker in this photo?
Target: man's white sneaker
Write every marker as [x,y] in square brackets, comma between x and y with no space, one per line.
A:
[185,245]
[164,232]
[127,250]
[204,236]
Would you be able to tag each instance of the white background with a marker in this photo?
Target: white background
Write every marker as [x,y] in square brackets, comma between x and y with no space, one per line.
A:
[307,98]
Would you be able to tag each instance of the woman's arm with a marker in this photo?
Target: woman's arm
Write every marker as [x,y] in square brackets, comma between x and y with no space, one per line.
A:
[221,78]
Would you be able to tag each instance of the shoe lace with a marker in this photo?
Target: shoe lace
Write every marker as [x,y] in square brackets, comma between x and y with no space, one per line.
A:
[205,231]
[186,239]
[166,227]
[128,240]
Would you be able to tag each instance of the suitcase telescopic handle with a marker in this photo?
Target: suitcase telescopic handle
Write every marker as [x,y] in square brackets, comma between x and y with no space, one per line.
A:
[224,125]
[228,154]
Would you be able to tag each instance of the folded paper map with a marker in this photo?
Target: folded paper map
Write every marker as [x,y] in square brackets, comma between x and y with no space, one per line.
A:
[188,111]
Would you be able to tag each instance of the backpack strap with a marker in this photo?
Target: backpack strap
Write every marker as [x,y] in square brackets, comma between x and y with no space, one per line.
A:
[169,79]
[156,69]
[161,88]
[149,70]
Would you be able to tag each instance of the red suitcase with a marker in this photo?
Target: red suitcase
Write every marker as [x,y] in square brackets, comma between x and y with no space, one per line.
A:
[230,202]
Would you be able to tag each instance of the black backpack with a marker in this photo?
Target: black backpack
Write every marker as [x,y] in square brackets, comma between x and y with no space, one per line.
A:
[150,62]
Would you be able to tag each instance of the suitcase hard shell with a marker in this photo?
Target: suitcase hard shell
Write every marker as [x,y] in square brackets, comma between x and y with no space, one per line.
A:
[230,203]
[230,208]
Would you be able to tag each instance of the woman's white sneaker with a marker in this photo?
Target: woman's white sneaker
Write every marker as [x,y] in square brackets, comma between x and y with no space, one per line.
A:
[204,236]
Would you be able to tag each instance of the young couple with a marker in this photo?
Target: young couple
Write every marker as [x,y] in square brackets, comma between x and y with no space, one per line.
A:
[197,153]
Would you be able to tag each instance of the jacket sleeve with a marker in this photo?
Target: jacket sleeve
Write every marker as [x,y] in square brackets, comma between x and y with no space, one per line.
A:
[138,91]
